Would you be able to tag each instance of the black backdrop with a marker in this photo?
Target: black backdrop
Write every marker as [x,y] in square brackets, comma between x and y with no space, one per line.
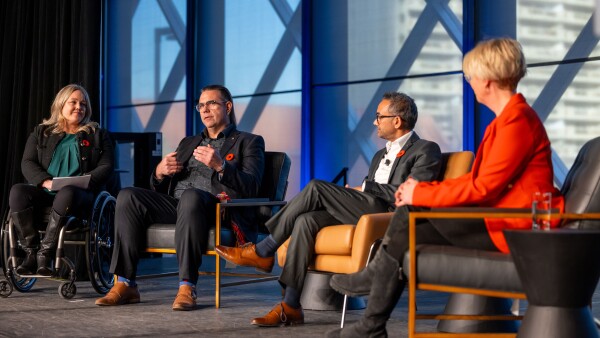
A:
[44,45]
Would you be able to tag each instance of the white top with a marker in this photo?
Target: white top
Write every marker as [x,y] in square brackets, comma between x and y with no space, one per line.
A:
[382,175]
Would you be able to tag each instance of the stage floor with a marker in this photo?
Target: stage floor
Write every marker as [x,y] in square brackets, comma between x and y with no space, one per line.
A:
[42,312]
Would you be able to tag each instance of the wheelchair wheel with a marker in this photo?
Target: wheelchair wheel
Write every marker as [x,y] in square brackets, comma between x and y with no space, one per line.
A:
[5,289]
[101,236]
[67,290]
[21,284]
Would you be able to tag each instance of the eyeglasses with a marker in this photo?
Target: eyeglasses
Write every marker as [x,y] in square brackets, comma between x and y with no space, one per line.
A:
[212,104]
[378,117]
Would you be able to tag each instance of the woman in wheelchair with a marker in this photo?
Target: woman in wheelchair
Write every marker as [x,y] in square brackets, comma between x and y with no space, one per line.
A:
[66,144]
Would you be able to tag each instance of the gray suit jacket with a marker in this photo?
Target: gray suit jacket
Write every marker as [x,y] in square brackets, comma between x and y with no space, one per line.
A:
[422,160]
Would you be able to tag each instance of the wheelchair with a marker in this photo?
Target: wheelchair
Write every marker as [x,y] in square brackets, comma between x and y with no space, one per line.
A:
[95,234]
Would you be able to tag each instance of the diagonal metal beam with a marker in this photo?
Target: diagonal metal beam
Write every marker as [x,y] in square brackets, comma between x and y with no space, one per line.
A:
[176,75]
[565,73]
[449,20]
[175,22]
[286,15]
[272,73]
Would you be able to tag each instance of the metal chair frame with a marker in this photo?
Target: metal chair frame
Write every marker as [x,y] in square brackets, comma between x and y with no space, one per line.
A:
[97,231]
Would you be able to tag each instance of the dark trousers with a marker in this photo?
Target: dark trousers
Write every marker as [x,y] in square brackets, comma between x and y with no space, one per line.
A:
[68,201]
[464,233]
[318,205]
[137,208]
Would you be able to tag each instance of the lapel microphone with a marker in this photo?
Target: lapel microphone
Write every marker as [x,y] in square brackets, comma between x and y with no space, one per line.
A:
[387,160]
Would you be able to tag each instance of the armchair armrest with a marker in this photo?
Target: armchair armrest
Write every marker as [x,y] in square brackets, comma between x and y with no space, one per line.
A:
[369,228]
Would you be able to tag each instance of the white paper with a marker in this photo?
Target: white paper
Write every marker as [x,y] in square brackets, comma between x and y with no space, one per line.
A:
[77,181]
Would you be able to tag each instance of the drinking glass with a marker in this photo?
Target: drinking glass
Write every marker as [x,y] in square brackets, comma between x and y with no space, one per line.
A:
[541,210]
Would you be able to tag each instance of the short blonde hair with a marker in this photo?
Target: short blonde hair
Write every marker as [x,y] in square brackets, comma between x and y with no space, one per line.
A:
[499,60]
[57,122]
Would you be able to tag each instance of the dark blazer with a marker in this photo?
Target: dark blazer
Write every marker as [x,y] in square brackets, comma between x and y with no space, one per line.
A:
[421,160]
[244,154]
[96,156]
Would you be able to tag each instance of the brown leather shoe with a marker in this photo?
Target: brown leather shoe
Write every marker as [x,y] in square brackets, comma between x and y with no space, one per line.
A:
[245,255]
[120,294]
[282,314]
[186,299]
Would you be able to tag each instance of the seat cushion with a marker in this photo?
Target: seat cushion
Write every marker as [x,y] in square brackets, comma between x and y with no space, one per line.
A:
[449,265]
[162,236]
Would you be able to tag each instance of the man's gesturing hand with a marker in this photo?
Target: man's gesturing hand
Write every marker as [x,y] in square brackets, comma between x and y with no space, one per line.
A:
[209,156]
[168,166]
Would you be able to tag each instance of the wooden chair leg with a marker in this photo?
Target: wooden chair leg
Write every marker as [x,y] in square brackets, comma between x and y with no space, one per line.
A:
[217,282]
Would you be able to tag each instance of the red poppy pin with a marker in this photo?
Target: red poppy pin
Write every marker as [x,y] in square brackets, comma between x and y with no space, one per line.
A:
[85,143]
[229,157]
[400,153]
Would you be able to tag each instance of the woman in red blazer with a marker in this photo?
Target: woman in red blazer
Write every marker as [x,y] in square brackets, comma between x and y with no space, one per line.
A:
[512,163]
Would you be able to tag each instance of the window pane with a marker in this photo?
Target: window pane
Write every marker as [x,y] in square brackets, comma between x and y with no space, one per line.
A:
[574,119]
[344,134]
[145,49]
[279,124]
[256,47]
[357,46]
[567,94]
[547,29]
[145,66]
[366,42]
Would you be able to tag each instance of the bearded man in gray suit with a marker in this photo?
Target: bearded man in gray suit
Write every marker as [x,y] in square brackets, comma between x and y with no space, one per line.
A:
[322,204]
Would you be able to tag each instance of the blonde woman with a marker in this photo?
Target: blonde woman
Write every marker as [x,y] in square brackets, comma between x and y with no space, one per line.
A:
[66,144]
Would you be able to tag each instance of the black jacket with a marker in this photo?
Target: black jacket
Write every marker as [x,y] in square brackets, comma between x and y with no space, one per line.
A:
[421,160]
[244,154]
[96,156]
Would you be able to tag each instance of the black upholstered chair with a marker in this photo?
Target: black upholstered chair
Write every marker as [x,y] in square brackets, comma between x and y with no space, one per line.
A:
[492,274]
[161,237]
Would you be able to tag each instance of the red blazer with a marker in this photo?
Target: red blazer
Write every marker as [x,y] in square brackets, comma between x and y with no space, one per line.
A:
[512,162]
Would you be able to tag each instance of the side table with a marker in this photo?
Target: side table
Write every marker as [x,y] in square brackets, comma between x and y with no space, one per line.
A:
[559,271]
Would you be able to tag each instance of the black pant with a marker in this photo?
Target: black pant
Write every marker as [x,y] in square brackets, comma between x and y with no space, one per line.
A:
[464,233]
[71,201]
[318,205]
[137,208]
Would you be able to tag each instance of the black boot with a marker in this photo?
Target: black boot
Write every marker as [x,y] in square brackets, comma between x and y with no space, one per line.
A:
[29,238]
[385,292]
[49,243]
[358,283]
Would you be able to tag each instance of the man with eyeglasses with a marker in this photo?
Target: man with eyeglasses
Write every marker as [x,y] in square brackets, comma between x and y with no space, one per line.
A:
[185,185]
[321,204]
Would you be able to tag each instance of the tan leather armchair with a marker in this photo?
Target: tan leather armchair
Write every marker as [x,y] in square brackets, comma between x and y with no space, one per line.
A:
[345,248]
